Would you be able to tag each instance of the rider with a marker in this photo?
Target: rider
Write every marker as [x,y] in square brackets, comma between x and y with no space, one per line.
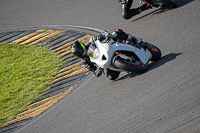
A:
[127,13]
[82,51]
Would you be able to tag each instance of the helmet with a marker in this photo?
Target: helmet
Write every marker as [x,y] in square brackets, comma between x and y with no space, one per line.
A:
[78,49]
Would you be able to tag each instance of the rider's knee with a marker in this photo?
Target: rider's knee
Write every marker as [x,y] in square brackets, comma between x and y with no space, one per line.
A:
[110,77]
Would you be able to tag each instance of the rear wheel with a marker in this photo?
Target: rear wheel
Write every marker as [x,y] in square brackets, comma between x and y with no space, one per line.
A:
[169,3]
[156,53]
[130,66]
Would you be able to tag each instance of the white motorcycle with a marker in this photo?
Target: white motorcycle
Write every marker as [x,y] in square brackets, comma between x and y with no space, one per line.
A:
[123,57]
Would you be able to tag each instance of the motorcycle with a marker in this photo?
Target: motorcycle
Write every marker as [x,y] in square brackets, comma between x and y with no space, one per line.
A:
[157,3]
[123,57]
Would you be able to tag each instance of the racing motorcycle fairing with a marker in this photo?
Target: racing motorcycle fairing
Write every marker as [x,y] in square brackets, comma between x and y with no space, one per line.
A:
[105,53]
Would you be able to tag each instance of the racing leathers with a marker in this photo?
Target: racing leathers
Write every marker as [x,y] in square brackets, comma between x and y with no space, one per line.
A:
[127,13]
[117,35]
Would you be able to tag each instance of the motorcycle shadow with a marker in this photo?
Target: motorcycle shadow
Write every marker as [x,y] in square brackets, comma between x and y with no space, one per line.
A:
[180,3]
[157,11]
[183,2]
[153,65]
[162,61]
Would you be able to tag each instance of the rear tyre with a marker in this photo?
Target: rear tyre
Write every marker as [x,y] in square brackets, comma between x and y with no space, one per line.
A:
[169,3]
[156,53]
[135,66]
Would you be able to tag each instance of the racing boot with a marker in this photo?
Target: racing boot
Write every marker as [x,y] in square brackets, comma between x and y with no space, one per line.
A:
[144,7]
[145,45]
[127,13]
[155,5]
[135,40]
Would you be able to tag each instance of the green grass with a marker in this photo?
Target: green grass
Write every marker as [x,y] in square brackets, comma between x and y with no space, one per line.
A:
[25,72]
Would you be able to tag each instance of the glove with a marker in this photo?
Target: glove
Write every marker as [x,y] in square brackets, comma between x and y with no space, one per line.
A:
[98,72]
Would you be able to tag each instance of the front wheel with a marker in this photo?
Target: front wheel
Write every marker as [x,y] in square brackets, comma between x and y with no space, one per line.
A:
[169,3]
[130,66]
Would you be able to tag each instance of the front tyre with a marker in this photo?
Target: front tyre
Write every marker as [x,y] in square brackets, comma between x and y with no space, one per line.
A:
[135,66]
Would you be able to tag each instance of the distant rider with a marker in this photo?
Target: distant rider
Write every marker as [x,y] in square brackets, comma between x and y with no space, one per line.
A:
[127,13]
[80,50]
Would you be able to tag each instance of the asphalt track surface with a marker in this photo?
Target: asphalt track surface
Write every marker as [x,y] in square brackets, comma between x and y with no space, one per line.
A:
[165,99]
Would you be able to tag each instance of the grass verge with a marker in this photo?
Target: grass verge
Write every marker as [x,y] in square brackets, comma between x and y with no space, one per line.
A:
[25,72]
